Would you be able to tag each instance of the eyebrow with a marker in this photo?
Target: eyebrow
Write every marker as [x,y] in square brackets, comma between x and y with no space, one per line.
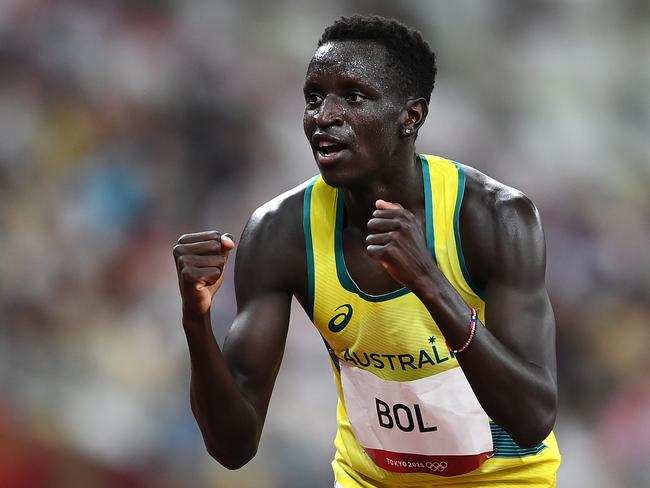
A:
[349,82]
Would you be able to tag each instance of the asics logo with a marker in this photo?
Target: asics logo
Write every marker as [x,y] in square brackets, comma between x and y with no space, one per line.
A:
[340,320]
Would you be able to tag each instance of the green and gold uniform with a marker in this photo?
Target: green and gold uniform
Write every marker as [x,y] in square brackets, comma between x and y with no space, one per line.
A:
[406,414]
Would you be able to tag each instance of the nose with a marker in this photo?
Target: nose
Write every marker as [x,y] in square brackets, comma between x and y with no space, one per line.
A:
[329,112]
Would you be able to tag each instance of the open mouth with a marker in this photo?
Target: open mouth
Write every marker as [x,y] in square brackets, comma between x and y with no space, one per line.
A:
[328,148]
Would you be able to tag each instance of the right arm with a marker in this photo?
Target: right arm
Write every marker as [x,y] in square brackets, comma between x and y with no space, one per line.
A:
[230,390]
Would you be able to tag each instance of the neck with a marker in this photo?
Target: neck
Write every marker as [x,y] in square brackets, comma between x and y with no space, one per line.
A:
[400,182]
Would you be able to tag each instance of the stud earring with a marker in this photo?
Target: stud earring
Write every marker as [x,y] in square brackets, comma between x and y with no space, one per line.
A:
[407,131]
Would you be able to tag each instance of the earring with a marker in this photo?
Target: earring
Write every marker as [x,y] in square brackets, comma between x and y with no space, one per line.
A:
[407,131]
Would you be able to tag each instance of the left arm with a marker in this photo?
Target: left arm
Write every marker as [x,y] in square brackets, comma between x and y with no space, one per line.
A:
[511,364]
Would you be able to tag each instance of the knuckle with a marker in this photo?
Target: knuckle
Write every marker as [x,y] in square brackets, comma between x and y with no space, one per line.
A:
[189,275]
[177,250]
[208,248]
[185,261]
[186,274]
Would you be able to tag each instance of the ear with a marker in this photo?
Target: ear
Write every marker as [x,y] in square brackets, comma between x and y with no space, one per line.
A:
[413,115]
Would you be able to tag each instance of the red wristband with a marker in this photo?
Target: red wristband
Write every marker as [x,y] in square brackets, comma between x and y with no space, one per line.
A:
[472,329]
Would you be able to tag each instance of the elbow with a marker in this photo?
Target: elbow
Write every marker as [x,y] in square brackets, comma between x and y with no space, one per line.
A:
[532,437]
[232,444]
[234,450]
[231,458]
[533,432]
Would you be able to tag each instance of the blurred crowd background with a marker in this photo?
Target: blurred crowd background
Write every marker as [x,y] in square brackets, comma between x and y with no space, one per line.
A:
[124,124]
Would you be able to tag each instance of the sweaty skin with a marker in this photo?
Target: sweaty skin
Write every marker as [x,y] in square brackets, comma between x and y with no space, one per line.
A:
[351,103]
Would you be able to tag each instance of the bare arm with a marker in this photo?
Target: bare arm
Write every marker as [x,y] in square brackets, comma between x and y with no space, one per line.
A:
[230,390]
[510,364]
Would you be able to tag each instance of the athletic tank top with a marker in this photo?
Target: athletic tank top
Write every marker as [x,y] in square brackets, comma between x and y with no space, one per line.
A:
[406,414]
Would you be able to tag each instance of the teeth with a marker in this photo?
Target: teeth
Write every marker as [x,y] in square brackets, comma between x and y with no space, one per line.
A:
[325,144]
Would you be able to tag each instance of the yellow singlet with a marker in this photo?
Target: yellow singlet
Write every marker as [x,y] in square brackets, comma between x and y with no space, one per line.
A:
[387,347]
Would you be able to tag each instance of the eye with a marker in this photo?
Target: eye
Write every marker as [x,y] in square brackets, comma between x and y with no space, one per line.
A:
[354,97]
[312,100]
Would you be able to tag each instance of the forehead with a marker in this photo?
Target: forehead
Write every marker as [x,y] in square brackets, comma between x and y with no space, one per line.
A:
[363,60]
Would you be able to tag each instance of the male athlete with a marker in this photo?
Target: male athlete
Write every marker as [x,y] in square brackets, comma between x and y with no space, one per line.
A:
[424,276]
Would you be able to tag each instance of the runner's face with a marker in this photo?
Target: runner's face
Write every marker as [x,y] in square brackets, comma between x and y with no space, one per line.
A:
[352,111]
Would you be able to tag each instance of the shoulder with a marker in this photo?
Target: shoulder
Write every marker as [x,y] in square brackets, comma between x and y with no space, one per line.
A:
[491,198]
[501,226]
[272,244]
[280,217]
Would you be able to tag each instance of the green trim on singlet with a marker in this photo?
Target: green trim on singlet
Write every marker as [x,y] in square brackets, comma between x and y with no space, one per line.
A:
[459,248]
[309,247]
[505,447]
[428,207]
[341,268]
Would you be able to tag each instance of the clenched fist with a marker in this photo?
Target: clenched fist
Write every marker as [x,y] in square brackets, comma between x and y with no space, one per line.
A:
[397,241]
[200,259]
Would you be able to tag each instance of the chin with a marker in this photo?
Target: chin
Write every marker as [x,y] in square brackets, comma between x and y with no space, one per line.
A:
[331,179]
[346,172]
[339,179]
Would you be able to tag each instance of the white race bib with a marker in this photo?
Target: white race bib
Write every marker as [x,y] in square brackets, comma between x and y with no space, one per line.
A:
[431,425]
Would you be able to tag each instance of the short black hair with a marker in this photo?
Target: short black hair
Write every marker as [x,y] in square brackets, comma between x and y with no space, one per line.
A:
[409,55]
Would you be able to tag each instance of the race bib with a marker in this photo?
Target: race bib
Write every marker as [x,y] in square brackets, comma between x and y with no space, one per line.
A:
[431,425]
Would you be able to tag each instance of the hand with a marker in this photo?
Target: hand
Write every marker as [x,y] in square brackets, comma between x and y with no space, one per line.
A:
[397,241]
[200,259]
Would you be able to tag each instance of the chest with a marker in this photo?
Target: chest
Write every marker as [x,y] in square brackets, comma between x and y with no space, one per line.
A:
[366,272]
[393,335]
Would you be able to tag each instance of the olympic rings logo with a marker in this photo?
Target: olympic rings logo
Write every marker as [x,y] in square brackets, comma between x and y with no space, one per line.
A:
[436,466]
